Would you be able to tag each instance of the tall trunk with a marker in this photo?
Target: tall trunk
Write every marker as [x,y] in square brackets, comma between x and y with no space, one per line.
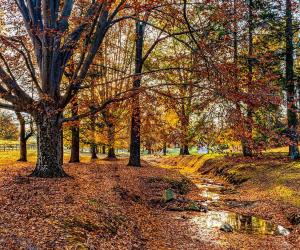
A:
[75,148]
[235,60]
[111,153]
[103,150]
[235,36]
[93,142]
[111,142]
[49,140]
[165,148]
[290,84]
[110,134]
[184,150]
[135,139]
[247,140]
[94,149]
[23,139]
[62,146]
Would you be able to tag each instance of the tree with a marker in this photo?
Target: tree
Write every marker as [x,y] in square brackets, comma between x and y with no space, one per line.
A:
[247,141]
[290,85]
[135,139]
[8,129]
[47,25]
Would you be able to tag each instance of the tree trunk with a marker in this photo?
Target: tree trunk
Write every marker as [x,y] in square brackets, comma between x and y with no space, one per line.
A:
[62,146]
[75,148]
[110,134]
[244,141]
[135,139]
[23,139]
[290,84]
[184,150]
[103,150]
[165,149]
[75,156]
[94,151]
[111,153]
[93,142]
[247,152]
[111,142]
[49,140]
[247,140]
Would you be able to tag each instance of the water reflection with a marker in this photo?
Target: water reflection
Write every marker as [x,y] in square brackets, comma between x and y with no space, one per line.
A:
[209,191]
[212,220]
[240,223]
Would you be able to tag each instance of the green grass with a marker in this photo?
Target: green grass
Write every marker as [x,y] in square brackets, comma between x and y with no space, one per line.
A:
[272,176]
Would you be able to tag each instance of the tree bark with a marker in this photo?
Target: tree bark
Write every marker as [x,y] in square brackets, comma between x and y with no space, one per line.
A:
[165,149]
[75,148]
[290,84]
[49,140]
[135,138]
[184,150]
[108,119]
[185,120]
[247,140]
[62,146]
[93,142]
[75,155]
[23,139]
[111,142]
[111,153]
[135,141]
[94,149]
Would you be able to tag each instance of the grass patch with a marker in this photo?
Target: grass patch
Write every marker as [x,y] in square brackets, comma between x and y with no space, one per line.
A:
[187,164]
[271,175]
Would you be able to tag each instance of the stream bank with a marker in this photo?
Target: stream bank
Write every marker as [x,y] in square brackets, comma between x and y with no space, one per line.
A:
[237,212]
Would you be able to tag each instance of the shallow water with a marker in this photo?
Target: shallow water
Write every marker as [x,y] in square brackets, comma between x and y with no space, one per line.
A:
[239,223]
[209,191]
[216,219]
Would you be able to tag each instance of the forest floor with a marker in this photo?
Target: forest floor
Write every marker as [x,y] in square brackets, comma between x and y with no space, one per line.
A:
[107,205]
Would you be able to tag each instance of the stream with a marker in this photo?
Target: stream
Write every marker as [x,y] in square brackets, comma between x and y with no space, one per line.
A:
[226,229]
[223,228]
[230,221]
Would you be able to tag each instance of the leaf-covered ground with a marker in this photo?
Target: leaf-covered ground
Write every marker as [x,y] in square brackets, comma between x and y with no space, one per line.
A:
[105,205]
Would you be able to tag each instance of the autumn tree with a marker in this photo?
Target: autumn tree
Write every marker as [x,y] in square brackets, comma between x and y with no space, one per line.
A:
[47,24]
[8,129]
[290,84]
